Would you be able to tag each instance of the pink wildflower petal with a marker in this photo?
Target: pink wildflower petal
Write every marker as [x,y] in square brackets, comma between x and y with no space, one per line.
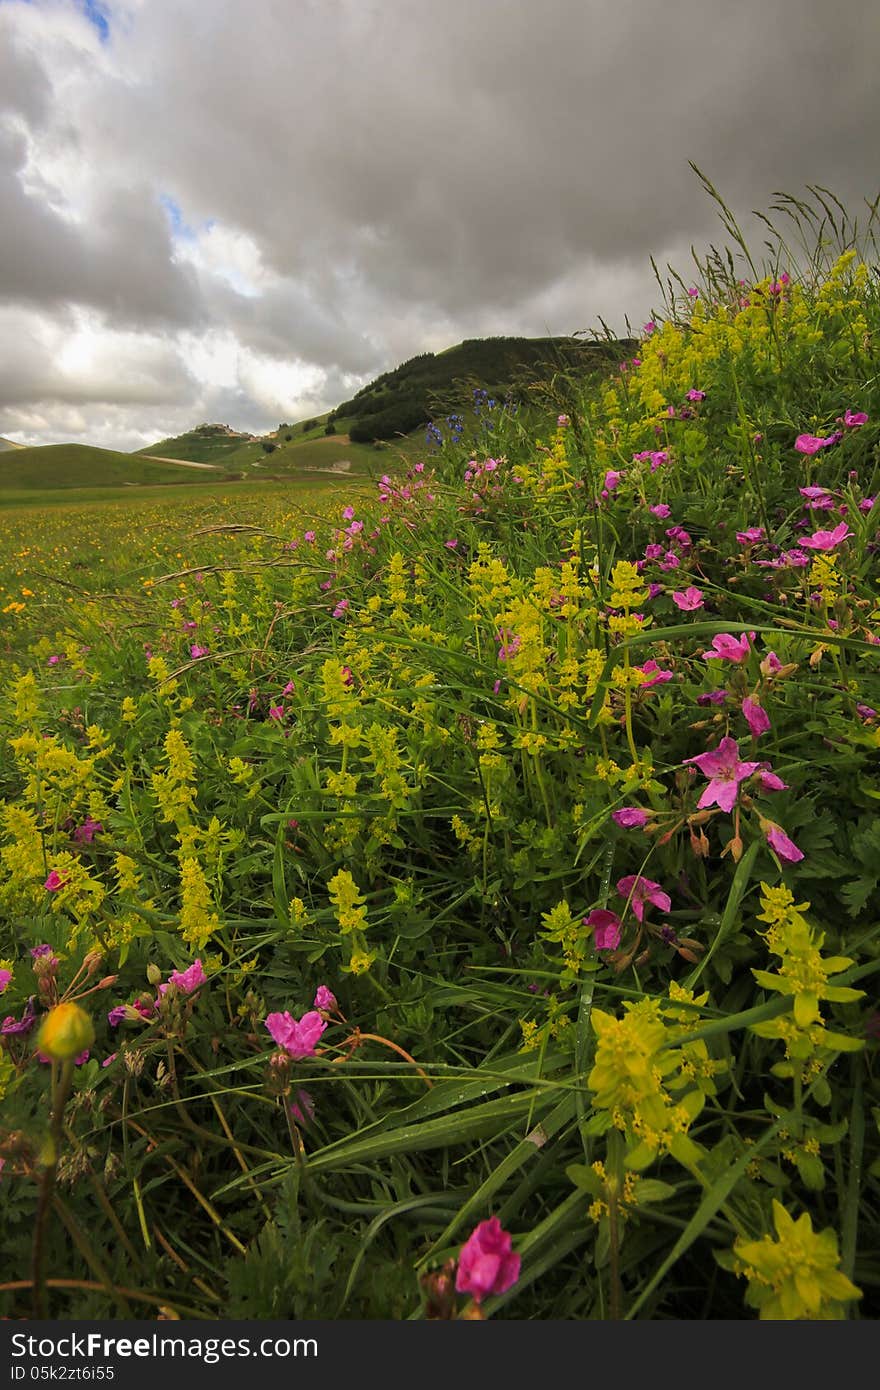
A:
[487,1264]
[755,716]
[605,927]
[630,817]
[784,847]
[688,600]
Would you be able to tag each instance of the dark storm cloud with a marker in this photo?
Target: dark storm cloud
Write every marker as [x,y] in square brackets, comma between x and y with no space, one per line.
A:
[402,173]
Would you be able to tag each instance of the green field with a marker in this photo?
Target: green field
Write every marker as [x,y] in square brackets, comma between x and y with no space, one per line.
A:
[52,466]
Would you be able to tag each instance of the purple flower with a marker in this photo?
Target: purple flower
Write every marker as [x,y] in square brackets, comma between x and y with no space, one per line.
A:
[712,697]
[725,772]
[606,928]
[853,418]
[749,537]
[5,977]
[325,998]
[661,510]
[630,817]
[755,716]
[693,395]
[196,651]
[13,1027]
[643,890]
[768,780]
[84,834]
[655,675]
[298,1037]
[487,1263]
[54,882]
[303,1108]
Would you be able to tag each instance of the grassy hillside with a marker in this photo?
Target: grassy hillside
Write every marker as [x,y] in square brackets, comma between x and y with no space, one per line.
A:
[406,398]
[208,444]
[83,465]
[6,444]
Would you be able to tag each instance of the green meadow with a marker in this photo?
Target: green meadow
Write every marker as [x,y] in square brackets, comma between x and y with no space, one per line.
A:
[452,889]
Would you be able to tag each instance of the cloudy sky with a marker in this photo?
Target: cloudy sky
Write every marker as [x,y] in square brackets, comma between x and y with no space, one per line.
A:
[241,210]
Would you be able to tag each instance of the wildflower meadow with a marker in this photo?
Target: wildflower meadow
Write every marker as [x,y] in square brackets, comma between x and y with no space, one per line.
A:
[456,894]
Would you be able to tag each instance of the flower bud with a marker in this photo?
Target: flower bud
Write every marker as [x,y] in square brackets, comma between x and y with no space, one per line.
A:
[154,974]
[66,1031]
[92,961]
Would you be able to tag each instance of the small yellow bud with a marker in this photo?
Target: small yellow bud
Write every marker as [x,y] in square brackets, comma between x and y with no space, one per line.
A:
[154,974]
[66,1031]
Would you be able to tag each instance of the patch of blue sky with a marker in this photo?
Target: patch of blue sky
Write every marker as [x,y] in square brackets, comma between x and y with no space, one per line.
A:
[95,11]
[180,228]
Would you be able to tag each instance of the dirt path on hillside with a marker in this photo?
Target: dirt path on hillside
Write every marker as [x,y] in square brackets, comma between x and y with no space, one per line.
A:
[182,463]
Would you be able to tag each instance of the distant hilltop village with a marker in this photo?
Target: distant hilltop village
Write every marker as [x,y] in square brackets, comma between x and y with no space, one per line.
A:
[223,429]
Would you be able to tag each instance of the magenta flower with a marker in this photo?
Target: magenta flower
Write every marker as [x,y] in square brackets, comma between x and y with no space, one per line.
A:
[656,676]
[712,697]
[298,1037]
[612,479]
[812,443]
[779,841]
[755,716]
[562,421]
[749,537]
[84,834]
[768,780]
[630,817]
[606,929]
[827,540]
[276,712]
[55,881]
[451,544]
[196,651]
[694,395]
[325,998]
[639,891]
[303,1108]
[725,772]
[79,1060]
[13,1027]
[661,510]
[487,1263]
[5,977]
[728,648]
[854,418]
[186,980]
[688,600]
[649,327]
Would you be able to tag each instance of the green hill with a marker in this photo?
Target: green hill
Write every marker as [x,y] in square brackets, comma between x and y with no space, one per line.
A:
[208,444]
[84,465]
[431,384]
[6,444]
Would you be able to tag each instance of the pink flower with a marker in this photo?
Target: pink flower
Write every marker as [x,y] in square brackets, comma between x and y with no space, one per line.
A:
[303,1108]
[693,292]
[79,1060]
[728,648]
[451,544]
[612,480]
[693,395]
[755,716]
[854,418]
[276,712]
[630,817]
[812,443]
[309,536]
[487,1263]
[606,929]
[5,977]
[289,688]
[325,998]
[55,881]
[768,780]
[649,327]
[754,533]
[661,510]
[688,600]
[712,697]
[562,421]
[84,834]
[107,1060]
[196,651]
[655,675]
[643,890]
[298,1037]
[779,841]
[340,608]
[827,540]
[185,980]
[725,772]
